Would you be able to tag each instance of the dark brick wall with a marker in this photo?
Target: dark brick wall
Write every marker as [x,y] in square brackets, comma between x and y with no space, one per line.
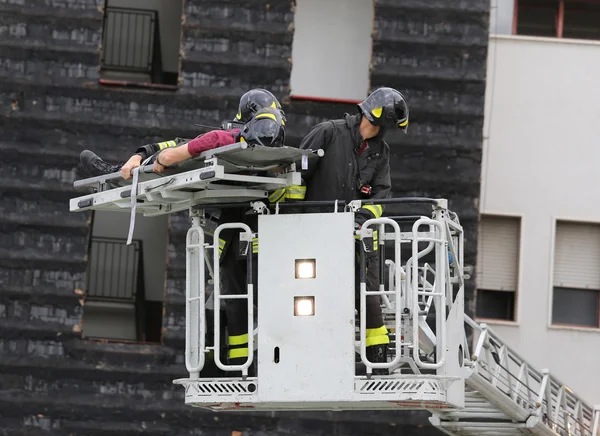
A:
[52,107]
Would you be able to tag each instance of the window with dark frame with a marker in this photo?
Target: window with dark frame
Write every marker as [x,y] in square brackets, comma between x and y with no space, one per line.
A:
[497,267]
[141,43]
[124,288]
[576,281]
[576,19]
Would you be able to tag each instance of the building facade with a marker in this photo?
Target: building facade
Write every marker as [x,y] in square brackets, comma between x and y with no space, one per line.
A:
[539,243]
[83,355]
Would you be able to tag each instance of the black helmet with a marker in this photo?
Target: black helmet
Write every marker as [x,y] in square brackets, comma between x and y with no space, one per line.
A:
[254,100]
[385,107]
[265,128]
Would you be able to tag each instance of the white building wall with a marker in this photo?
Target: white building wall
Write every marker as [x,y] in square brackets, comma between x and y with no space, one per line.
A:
[321,66]
[541,162]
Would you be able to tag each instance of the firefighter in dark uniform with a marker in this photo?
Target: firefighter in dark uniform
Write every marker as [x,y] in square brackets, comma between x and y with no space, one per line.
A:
[357,163]
[268,131]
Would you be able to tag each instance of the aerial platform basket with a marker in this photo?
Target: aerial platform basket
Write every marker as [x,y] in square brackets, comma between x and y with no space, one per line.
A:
[308,334]
[307,361]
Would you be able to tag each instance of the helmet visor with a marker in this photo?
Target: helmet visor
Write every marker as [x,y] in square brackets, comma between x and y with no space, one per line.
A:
[265,131]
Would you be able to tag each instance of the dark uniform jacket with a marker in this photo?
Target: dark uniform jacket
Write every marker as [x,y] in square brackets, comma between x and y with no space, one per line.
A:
[341,172]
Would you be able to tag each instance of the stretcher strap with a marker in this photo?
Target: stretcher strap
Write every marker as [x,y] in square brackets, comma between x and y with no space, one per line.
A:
[134,186]
[134,189]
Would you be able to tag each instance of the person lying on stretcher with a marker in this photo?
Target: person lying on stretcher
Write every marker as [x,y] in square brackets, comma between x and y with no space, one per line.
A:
[245,127]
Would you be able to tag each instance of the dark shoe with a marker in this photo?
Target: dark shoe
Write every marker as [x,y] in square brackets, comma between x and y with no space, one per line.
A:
[95,166]
[378,354]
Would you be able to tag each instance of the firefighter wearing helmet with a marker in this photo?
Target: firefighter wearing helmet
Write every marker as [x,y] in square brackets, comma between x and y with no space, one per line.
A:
[265,128]
[250,103]
[356,165]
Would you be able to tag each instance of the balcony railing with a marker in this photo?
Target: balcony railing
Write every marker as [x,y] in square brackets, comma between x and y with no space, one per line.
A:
[131,42]
[116,275]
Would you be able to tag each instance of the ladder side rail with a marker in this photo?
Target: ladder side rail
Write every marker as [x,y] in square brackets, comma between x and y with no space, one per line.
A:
[366,232]
[567,407]
[195,310]
[249,296]
[495,369]
[439,244]
[504,367]
[537,390]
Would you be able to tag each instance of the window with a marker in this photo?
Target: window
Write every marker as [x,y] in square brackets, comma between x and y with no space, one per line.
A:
[576,293]
[497,267]
[141,43]
[331,49]
[577,19]
[125,283]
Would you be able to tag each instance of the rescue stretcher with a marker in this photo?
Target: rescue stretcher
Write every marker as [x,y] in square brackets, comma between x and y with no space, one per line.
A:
[229,174]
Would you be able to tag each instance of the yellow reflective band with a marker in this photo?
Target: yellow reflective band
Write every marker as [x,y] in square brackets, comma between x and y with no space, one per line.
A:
[403,123]
[296,192]
[274,105]
[375,209]
[221,243]
[377,336]
[377,112]
[277,195]
[166,144]
[238,352]
[238,116]
[272,116]
[377,340]
[254,245]
[239,339]
[379,331]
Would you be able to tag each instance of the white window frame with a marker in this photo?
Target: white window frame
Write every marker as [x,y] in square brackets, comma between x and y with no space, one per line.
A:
[517,305]
[555,221]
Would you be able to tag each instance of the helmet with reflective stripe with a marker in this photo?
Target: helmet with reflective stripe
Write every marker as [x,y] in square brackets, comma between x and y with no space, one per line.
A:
[386,108]
[265,128]
[254,100]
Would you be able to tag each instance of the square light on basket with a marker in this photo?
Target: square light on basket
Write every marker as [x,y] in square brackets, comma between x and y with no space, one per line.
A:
[304,306]
[306,268]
